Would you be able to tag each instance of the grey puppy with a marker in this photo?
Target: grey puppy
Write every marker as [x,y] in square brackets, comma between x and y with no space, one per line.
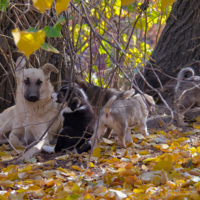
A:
[99,96]
[122,116]
[187,93]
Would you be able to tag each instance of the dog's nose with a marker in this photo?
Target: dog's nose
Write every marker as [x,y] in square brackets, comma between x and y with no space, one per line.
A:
[33,98]
[51,97]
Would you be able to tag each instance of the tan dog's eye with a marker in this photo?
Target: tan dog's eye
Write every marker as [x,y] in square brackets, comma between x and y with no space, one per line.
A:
[27,81]
[39,82]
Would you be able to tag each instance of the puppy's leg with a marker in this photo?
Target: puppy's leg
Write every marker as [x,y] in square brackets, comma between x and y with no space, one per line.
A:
[95,137]
[128,136]
[143,127]
[121,139]
[107,133]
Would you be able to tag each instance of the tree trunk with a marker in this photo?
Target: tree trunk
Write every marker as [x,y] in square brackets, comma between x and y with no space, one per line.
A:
[178,46]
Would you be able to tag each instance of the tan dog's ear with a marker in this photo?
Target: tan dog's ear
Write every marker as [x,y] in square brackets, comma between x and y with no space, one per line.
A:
[20,64]
[47,69]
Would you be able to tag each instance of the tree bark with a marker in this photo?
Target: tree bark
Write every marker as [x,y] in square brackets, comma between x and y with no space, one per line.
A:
[178,45]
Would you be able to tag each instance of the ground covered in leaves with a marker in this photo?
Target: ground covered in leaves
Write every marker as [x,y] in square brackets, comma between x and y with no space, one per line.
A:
[164,165]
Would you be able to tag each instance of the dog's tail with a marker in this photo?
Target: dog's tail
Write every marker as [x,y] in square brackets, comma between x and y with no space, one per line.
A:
[182,74]
[108,104]
[127,94]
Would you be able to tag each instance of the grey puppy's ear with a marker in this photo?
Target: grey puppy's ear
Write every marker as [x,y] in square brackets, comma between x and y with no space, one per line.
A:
[47,69]
[20,64]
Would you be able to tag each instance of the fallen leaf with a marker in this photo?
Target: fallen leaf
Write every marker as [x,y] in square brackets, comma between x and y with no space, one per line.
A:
[164,177]
[96,152]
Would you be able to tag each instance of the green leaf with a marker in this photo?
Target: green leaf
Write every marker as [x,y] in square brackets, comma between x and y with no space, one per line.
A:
[61,20]
[95,68]
[52,31]
[48,47]
[3,5]
[32,29]
[72,197]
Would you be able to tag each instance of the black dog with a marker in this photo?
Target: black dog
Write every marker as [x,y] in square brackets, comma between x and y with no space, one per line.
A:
[78,120]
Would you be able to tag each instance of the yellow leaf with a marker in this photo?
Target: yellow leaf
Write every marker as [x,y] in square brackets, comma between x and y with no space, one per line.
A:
[62,170]
[91,164]
[149,159]
[145,152]
[127,2]
[157,180]
[61,5]
[198,119]
[198,149]
[96,152]
[166,3]
[165,163]
[28,42]
[138,191]
[76,167]
[42,5]
[89,197]
[193,150]
[196,159]
[123,172]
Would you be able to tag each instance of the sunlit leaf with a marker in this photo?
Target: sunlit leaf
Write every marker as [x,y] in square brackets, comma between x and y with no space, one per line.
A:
[61,5]
[166,3]
[48,47]
[28,42]
[3,5]
[76,167]
[42,5]
[72,197]
[96,152]
[127,2]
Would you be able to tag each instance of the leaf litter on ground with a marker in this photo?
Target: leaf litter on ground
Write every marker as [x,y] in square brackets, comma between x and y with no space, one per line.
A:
[164,165]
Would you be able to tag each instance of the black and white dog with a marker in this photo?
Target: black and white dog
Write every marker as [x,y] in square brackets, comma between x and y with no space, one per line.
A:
[78,121]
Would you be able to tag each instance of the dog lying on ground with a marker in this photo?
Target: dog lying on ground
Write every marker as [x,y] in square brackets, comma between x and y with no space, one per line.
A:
[122,116]
[29,118]
[99,96]
[78,121]
[187,93]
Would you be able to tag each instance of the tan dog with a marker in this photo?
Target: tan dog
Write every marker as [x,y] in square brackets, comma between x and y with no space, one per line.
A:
[187,93]
[34,109]
[122,116]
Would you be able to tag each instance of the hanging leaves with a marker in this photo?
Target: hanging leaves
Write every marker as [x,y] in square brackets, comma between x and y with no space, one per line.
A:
[166,3]
[48,47]
[28,42]
[61,5]
[3,5]
[127,2]
[42,5]
[53,31]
